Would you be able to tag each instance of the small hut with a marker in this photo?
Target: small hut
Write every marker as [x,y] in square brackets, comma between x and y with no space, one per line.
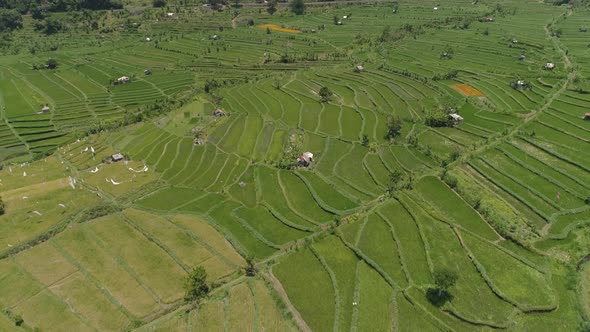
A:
[122,80]
[455,118]
[587,117]
[305,159]
[521,57]
[147,72]
[359,68]
[218,113]
[549,66]
[45,109]
[117,157]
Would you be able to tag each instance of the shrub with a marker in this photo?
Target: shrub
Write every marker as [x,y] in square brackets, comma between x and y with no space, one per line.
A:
[2,207]
[159,3]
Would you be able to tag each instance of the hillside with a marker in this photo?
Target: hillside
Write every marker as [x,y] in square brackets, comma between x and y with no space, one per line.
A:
[360,166]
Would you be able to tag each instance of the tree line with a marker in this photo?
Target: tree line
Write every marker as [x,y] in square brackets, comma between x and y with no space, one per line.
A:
[28,6]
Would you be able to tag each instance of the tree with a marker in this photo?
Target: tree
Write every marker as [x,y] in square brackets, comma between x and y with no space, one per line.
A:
[250,269]
[10,20]
[397,181]
[325,94]
[52,25]
[365,141]
[1,206]
[159,3]
[52,64]
[443,279]
[37,13]
[271,7]
[195,285]
[394,125]
[297,7]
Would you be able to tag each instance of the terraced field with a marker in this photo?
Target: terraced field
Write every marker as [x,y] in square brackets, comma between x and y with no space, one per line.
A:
[354,239]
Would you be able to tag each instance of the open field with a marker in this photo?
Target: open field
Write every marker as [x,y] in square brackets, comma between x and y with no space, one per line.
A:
[216,124]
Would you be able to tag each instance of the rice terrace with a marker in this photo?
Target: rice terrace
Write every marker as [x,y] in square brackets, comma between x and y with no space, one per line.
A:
[346,165]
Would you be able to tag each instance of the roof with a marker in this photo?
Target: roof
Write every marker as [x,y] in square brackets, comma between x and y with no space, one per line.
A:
[45,108]
[123,78]
[456,116]
[117,156]
[587,115]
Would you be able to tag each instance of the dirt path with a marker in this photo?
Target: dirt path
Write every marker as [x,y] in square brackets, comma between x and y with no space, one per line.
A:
[278,287]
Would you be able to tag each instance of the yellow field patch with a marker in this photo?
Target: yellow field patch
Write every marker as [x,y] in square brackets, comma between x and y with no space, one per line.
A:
[278,28]
[467,90]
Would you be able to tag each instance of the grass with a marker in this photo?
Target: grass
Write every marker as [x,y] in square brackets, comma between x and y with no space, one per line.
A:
[241,308]
[311,292]
[374,303]
[452,206]
[378,244]
[114,275]
[510,275]
[154,267]
[472,297]
[343,263]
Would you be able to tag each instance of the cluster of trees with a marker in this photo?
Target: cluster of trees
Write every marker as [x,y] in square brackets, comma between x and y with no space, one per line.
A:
[26,6]
[195,285]
[10,20]
[2,208]
[50,64]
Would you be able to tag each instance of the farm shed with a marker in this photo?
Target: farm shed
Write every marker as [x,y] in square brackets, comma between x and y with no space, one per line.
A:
[587,116]
[549,66]
[117,157]
[521,57]
[147,72]
[122,80]
[305,159]
[218,112]
[359,69]
[45,109]
[456,118]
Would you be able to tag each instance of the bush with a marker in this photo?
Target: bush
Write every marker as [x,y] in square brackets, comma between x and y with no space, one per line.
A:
[2,207]
[158,3]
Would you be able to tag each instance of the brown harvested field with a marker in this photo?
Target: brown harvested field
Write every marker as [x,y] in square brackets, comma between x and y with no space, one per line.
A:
[467,90]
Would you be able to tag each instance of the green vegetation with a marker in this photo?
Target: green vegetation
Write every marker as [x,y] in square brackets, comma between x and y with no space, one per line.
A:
[195,285]
[294,165]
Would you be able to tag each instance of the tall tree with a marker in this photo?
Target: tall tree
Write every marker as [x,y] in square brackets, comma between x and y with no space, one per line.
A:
[195,285]
[297,7]
[271,7]
[10,20]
